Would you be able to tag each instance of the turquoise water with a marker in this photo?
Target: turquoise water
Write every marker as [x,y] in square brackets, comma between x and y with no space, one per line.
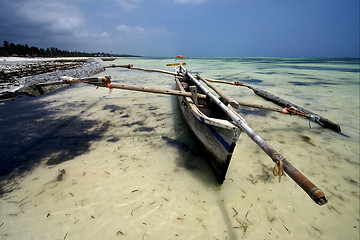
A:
[126,180]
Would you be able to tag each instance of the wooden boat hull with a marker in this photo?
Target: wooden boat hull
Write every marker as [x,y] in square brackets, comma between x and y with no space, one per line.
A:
[108,58]
[218,136]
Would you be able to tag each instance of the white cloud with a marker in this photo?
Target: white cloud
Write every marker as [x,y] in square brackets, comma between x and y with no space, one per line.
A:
[128,4]
[55,17]
[105,34]
[138,31]
[189,1]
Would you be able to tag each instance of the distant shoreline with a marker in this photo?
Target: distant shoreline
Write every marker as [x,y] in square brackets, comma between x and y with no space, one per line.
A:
[43,59]
[34,59]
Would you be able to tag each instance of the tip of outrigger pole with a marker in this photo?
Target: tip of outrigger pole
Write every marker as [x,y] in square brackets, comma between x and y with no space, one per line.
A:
[318,196]
[321,201]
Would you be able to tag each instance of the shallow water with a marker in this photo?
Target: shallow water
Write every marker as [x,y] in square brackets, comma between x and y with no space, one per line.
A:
[133,170]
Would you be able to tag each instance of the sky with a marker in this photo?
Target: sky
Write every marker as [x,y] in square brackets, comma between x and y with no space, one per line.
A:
[193,28]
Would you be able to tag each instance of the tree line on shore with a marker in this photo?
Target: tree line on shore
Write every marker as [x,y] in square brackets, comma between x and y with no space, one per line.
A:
[9,49]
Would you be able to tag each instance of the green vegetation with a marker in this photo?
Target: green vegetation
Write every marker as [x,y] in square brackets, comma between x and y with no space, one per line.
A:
[18,50]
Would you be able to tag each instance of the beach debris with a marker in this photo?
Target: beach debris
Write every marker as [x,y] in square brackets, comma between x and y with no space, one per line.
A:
[247,213]
[24,203]
[236,213]
[318,230]
[287,229]
[132,211]
[66,236]
[48,215]
[307,140]
[119,233]
[61,174]
[352,181]
[244,225]
[330,207]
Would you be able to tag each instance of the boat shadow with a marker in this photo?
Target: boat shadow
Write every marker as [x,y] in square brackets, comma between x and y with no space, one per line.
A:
[192,156]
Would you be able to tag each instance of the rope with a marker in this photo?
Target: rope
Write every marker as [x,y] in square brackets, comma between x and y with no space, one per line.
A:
[240,84]
[107,81]
[294,111]
[278,169]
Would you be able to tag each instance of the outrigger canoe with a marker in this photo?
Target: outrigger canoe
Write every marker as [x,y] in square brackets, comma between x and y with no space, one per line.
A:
[213,121]
[108,58]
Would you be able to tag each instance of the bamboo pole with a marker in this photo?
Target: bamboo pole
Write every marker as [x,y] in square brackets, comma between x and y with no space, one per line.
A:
[225,97]
[130,66]
[153,90]
[259,106]
[158,91]
[314,192]
[101,82]
[232,102]
[220,81]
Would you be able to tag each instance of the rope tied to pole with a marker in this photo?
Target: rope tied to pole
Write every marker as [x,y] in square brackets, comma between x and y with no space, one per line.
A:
[278,169]
[294,111]
[236,83]
[314,118]
[107,83]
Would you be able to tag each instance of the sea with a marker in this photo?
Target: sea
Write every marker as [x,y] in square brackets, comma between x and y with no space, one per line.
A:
[88,163]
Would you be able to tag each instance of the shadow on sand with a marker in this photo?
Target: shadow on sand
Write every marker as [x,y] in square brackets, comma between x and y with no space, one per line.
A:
[31,135]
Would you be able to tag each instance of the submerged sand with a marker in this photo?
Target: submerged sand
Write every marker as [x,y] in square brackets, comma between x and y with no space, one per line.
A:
[100,167]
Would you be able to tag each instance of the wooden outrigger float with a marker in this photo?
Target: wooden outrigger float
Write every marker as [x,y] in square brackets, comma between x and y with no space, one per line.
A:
[214,122]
